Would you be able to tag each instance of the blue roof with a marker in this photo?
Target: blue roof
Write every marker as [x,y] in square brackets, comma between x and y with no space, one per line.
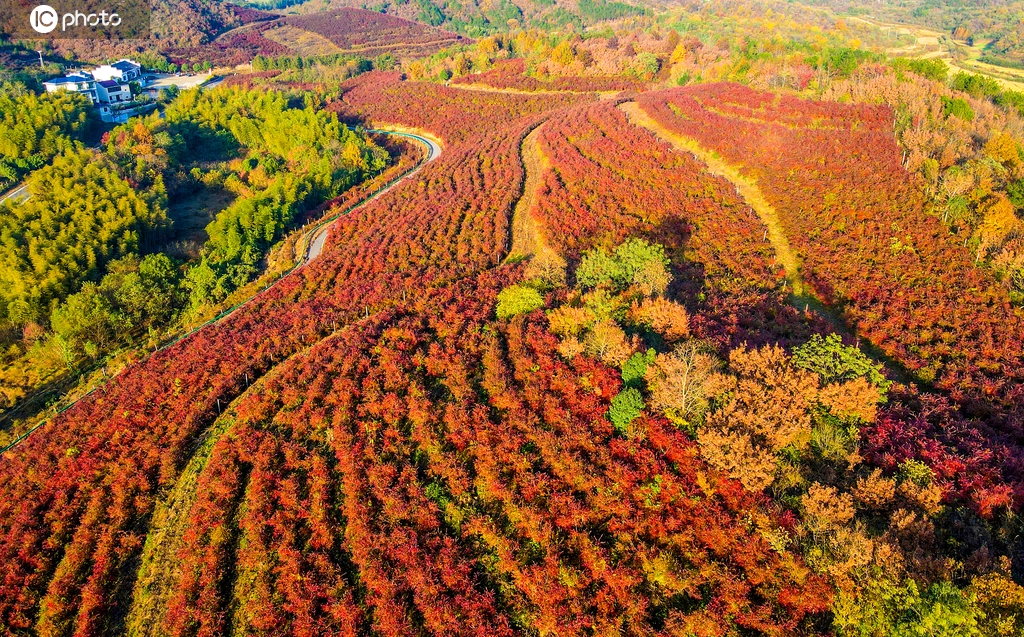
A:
[70,79]
[125,65]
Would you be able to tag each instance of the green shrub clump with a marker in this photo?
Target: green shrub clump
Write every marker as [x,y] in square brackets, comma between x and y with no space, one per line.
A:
[633,259]
[518,299]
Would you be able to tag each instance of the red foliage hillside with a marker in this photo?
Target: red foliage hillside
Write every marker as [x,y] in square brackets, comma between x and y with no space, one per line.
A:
[232,50]
[407,464]
[88,480]
[405,449]
[899,278]
[833,172]
[369,32]
[476,488]
[455,115]
[608,180]
[509,74]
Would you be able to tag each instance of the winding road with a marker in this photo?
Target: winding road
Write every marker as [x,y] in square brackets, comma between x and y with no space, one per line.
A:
[319,235]
[315,239]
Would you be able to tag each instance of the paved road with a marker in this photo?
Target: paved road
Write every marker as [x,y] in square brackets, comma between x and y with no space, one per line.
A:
[18,194]
[316,243]
[315,248]
[214,82]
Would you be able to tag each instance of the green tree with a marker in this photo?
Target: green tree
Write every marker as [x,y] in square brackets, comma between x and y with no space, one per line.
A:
[620,268]
[634,369]
[146,291]
[1011,100]
[975,85]
[957,107]
[297,156]
[1015,190]
[835,362]
[34,128]
[86,317]
[80,216]
[930,68]
[625,407]
[645,66]
[597,269]
[634,255]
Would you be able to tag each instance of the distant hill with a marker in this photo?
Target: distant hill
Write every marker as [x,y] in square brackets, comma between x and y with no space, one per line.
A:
[477,17]
[355,32]
[176,25]
[997,23]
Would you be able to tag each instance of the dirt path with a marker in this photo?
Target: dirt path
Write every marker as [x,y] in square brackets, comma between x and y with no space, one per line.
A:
[746,188]
[526,232]
[158,573]
[930,43]
[802,297]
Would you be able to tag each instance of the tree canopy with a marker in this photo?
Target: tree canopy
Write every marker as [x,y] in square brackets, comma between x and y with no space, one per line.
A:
[34,128]
[81,214]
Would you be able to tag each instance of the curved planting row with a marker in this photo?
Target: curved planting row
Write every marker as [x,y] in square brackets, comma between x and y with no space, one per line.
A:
[75,499]
[607,179]
[431,471]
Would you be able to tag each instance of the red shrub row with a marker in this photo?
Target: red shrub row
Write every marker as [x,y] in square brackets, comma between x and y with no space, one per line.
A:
[455,115]
[60,527]
[479,490]
[736,100]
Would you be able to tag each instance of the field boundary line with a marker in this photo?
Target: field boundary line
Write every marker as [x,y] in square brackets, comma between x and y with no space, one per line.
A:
[802,296]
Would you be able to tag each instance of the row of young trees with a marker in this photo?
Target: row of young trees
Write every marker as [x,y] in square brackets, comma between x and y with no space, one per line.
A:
[477,489]
[913,428]
[233,50]
[446,112]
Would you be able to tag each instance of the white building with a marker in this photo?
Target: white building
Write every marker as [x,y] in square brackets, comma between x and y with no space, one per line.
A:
[121,71]
[107,88]
[111,92]
[77,82]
